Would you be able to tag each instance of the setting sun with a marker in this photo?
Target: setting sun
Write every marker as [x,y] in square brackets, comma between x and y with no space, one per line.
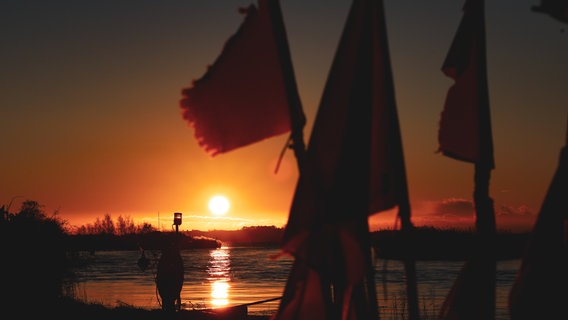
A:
[219,205]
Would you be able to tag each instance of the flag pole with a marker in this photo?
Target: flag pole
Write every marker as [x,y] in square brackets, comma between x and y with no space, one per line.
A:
[486,235]
[407,227]
[409,264]
[404,213]
[297,117]
[485,213]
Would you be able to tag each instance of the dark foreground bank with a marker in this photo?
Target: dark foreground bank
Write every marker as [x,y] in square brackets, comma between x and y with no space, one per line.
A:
[69,308]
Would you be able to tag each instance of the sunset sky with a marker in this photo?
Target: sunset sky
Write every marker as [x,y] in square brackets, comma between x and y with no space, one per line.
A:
[91,123]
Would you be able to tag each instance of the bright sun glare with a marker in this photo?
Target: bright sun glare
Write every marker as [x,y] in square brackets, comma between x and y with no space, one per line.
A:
[219,205]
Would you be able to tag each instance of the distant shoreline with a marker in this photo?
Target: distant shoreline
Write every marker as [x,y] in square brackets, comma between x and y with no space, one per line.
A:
[423,243]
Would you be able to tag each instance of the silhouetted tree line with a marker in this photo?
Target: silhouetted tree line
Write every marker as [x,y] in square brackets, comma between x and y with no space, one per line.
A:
[124,234]
[122,226]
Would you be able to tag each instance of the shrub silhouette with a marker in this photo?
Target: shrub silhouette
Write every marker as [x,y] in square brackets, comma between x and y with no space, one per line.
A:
[34,261]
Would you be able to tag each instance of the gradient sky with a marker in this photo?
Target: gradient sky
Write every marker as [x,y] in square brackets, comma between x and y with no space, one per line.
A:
[91,123]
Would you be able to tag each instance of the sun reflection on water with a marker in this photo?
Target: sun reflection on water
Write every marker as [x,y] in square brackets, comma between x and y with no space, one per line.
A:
[219,293]
[219,270]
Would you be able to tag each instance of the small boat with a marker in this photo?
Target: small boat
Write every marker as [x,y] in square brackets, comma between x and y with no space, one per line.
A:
[143,262]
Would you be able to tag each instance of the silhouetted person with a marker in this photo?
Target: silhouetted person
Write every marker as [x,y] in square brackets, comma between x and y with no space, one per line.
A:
[169,279]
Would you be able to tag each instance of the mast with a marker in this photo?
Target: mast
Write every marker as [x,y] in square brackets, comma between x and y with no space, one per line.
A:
[297,117]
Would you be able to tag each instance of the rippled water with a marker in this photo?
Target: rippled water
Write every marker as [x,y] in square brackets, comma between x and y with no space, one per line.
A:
[239,275]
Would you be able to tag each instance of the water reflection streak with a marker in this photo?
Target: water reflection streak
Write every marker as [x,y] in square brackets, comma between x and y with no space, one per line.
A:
[219,271]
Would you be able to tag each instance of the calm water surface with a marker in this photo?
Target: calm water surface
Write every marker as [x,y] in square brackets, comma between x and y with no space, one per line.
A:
[238,275]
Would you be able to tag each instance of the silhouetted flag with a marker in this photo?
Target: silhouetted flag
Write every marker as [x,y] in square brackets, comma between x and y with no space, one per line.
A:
[245,96]
[558,9]
[540,287]
[465,125]
[354,168]
[465,134]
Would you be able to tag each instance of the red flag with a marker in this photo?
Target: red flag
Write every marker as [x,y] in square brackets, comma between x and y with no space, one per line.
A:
[539,290]
[558,9]
[465,125]
[355,143]
[465,134]
[354,168]
[244,97]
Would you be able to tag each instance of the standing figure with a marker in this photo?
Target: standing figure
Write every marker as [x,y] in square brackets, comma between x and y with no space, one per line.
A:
[170,276]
